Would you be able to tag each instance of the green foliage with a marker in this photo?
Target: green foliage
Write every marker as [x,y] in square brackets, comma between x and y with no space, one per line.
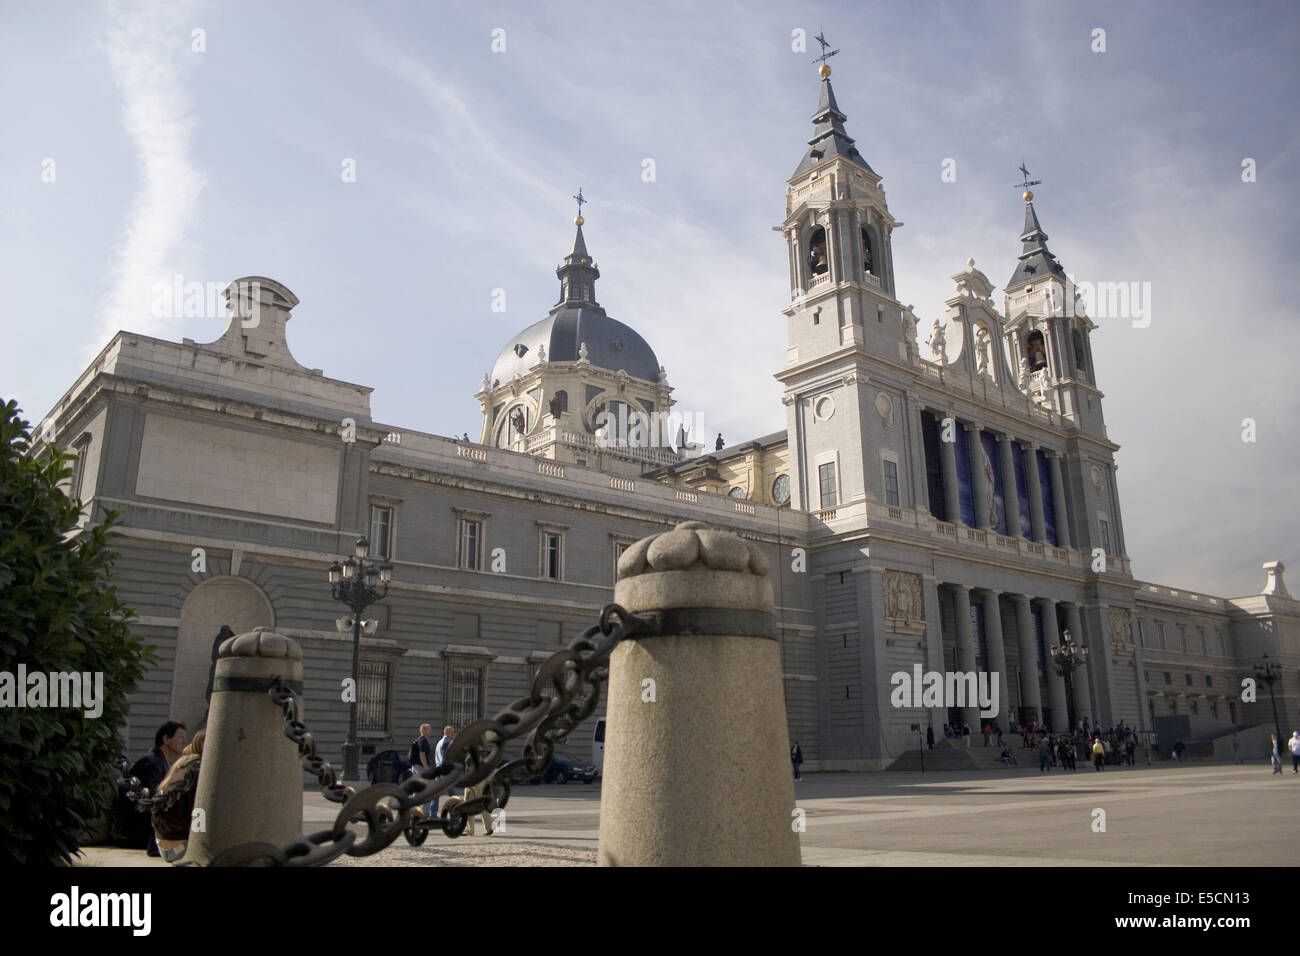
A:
[58,612]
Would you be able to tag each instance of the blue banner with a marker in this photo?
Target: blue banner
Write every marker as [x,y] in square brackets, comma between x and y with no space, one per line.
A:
[963,475]
[999,516]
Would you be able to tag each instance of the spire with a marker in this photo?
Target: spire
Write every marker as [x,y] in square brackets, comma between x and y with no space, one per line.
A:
[578,274]
[1036,260]
[829,136]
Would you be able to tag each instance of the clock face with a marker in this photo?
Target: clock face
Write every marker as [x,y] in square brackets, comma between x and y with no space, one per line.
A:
[737,493]
[781,489]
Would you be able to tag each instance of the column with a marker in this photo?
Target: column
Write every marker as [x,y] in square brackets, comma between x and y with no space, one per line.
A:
[833,269]
[948,458]
[1030,696]
[912,412]
[796,263]
[978,480]
[1039,526]
[1058,501]
[1010,495]
[965,651]
[1060,711]
[997,654]
[1082,686]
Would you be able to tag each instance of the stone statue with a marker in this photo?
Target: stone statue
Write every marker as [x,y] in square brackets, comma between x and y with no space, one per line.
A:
[541,354]
[938,343]
[1024,373]
[582,351]
[982,352]
[903,597]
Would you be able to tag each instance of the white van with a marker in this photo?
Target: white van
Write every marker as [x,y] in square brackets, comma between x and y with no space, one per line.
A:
[598,745]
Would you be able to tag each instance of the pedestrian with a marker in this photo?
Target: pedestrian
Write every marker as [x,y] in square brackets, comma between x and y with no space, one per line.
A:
[1275,753]
[174,813]
[929,736]
[1098,753]
[1146,749]
[1179,747]
[1024,738]
[168,743]
[1130,750]
[1044,755]
[440,757]
[1236,750]
[1294,745]
[422,751]
[796,758]
[965,733]
[988,734]
[1063,751]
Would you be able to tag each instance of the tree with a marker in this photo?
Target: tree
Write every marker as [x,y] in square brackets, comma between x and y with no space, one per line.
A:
[59,613]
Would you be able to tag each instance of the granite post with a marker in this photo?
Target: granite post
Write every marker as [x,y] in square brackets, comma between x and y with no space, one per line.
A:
[697,760]
[250,780]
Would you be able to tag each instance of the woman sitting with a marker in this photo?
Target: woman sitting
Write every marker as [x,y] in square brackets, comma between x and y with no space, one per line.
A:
[174,803]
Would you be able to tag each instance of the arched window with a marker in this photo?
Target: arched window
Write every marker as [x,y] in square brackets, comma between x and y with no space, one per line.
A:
[818,260]
[1080,360]
[519,419]
[868,261]
[1036,351]
[559,403]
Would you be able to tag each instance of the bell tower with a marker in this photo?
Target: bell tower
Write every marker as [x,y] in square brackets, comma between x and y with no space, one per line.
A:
[843,316]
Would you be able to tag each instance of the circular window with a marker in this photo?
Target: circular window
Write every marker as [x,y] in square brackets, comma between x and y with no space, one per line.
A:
[781,489]
[737,492]
[823,408]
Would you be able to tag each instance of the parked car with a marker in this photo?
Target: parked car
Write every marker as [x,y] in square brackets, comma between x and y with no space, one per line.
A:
[392,762]
[564,768]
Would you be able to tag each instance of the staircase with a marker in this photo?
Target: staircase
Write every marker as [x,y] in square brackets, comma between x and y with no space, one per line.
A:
[952,755]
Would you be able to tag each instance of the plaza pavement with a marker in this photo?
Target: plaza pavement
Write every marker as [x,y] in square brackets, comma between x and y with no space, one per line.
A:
[1166,815]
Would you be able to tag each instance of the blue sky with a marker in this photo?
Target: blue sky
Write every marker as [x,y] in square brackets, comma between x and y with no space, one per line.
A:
[227,162]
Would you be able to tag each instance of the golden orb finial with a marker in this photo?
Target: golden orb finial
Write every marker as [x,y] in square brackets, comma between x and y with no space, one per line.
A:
[578,220]
[824,70]
[1029,196]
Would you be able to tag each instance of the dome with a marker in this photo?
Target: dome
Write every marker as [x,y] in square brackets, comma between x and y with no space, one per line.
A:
[577,320]
[610,345]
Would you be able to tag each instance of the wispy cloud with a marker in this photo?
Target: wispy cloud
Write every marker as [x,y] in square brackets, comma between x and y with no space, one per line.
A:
[148,49]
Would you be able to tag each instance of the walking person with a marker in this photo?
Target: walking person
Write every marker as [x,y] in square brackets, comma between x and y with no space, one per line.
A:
[1275,753]
[440,757]
[419,757]
[929,736]
[1179,747]
[1236,750]
[1044,755]
[965,732]
[1098,753]
[1146,749]
[796,756]
[1294,746]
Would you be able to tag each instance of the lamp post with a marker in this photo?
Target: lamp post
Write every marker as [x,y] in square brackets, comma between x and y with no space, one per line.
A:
[358,584]
[1066,659]
[1270,672]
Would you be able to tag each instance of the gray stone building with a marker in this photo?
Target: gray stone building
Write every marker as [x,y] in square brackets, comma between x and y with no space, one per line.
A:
[956,510]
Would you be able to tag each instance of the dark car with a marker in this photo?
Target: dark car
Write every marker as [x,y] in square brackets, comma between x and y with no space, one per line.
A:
[564,768]
[393,765]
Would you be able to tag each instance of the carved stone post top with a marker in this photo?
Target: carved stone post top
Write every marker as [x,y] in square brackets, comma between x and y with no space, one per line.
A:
[1275,585]
[260,642]
[694,566]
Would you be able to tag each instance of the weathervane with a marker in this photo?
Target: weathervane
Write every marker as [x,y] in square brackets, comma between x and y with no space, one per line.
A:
[1028,182]
[580,201]
[825,56]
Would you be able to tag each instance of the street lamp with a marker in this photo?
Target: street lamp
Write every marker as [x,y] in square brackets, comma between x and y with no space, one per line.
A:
[1270,672]
[1066,659]
[358,584]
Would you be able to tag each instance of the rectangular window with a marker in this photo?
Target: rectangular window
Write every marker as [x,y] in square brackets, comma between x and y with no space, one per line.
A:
[1200,634]
[79,474]
[1214,709]
[891,482]
[372,697]
[826,478]
[619,548]
[1104,527]
[1169,678]
[469,552]
[1188,679]
[1146,677]
[381,526]
[1160,635]
[1173,705]
[464,696]
[1191,705]
[1209,681]
[552,555]
[1142,639]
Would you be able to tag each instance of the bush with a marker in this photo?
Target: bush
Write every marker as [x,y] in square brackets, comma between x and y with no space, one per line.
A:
[58,613]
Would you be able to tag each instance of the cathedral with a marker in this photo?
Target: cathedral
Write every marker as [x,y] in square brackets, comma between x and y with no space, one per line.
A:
[944,506]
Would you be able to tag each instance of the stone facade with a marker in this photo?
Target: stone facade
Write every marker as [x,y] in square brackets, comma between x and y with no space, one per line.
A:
[959,511]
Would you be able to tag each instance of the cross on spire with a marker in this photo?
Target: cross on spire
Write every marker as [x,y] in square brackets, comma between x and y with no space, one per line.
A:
[580,201]
[1027,182]
[822,40]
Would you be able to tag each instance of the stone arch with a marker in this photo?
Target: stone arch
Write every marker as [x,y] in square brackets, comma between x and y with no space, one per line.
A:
[226,600]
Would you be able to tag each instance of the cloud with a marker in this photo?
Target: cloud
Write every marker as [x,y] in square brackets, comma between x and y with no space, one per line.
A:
[148,51]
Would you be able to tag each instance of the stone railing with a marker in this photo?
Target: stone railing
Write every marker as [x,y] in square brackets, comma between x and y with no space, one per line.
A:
[473,454]
[554,469]
[688,496]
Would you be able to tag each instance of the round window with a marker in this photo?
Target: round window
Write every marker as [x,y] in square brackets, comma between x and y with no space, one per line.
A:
[737,492]
[781,489]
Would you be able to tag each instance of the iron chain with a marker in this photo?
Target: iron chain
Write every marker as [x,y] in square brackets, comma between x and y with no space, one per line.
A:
[564,693]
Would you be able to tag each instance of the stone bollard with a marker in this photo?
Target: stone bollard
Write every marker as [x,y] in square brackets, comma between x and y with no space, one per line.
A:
[697,761]
[250,781]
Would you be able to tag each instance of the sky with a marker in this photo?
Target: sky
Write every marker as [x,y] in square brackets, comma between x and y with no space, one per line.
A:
[402,167]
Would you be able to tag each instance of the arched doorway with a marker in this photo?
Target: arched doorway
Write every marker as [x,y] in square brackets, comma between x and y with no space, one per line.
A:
[227,600]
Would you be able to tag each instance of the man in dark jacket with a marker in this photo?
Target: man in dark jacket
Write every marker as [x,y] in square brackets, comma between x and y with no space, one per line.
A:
[796,758]
[168,742]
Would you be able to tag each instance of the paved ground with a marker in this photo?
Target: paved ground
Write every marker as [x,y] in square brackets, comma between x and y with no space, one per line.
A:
[1207,815]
